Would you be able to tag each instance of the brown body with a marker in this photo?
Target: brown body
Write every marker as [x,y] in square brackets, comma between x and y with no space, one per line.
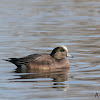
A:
[47,62]
[57,59]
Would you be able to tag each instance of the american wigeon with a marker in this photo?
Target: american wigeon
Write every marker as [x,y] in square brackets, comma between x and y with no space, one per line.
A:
[57,59]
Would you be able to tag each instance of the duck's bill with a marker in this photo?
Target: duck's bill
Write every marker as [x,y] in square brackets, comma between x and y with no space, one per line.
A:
[68,55]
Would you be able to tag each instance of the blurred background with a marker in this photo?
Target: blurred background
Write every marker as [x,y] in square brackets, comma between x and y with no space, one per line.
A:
[37,26]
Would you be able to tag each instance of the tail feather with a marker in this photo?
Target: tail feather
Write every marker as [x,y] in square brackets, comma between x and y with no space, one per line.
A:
[13,60]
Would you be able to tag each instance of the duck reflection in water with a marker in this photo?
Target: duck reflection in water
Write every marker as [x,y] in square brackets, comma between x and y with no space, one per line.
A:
[58,76]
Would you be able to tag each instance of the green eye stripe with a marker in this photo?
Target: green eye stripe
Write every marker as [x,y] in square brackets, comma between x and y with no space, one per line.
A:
[59,49]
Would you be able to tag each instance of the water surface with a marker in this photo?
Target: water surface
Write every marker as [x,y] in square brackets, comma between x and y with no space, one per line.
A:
[37,26]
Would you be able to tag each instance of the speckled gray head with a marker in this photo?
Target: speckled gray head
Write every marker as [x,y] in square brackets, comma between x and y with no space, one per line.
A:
[66,49]
[60,52]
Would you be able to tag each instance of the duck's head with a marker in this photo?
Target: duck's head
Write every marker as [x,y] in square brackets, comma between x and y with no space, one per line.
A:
[60,52]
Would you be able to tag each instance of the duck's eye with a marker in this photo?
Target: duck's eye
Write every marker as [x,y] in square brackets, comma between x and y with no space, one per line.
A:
[62,50]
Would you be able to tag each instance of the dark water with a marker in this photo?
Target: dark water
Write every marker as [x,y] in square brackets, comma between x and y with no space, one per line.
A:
[37,26]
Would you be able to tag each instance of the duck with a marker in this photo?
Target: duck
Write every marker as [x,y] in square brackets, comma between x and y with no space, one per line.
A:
[56,59]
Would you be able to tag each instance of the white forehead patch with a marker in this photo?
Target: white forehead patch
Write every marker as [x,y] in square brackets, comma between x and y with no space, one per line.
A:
[64,47]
